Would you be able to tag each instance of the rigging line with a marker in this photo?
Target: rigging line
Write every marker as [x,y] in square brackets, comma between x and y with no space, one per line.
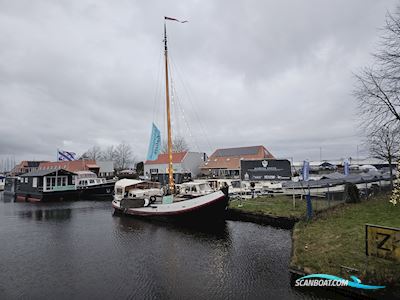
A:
[158,89]
[175,110]
[194,107]
[179,105]
[191,135]
[178,130]
[192,103]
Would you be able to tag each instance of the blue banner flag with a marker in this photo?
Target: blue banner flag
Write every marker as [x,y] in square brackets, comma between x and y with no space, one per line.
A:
[155,143]
[346,167]
[63,155]
[306,170]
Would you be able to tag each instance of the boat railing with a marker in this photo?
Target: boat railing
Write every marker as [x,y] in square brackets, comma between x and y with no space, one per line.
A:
[59,188]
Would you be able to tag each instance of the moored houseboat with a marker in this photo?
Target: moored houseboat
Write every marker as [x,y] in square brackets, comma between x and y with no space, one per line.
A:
[47,185]
[91,187]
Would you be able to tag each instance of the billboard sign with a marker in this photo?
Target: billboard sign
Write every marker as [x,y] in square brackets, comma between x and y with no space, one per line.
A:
[265,169]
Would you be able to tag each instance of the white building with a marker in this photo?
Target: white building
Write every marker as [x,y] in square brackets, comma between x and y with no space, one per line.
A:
[106,168]
[183,162]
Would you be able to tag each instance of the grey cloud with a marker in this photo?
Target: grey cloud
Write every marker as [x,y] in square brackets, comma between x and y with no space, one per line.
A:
[78,73]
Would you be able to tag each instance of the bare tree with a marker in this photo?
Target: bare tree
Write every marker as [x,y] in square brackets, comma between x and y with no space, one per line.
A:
[378,102]
[384,143]
[92,153]
[179,144]
[388,56]
[124,156]
[109,153]
[377,88]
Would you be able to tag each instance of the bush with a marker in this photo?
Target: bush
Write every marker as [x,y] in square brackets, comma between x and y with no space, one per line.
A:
[351,193]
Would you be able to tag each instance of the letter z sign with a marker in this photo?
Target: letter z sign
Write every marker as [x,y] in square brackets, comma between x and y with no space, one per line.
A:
[383,242]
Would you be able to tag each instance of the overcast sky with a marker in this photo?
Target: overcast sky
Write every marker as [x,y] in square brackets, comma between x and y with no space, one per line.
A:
[78,73]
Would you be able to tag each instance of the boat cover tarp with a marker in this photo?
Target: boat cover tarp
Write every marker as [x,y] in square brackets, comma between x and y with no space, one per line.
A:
[325,182]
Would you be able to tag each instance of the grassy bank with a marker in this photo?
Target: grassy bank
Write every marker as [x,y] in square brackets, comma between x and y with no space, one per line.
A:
[280,206]
[337,238]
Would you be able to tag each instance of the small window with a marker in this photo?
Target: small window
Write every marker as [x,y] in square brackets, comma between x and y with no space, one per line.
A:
[34,182]
[26,179]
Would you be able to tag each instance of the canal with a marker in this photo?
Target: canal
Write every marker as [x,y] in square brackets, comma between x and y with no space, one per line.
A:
[80,250]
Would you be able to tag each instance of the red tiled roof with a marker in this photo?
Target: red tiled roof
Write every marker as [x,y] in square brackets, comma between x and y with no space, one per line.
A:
[72,166]
[25,166]
[229,158]
[177,157]
[93,166]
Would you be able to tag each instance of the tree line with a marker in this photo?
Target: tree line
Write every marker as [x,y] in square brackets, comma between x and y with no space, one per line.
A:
[122,155]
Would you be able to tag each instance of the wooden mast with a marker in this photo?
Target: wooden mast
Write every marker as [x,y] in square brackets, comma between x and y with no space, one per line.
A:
[170,166]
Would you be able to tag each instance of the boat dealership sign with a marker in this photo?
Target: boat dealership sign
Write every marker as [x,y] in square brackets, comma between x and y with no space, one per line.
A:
[265,169]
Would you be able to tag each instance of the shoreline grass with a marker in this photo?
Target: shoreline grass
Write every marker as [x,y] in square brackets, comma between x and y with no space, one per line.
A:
[280,206]
[337,238]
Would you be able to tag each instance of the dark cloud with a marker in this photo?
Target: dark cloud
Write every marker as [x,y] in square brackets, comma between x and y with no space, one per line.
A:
[79,73]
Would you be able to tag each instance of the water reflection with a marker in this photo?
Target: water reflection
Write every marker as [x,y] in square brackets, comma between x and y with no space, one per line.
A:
[216,230]
[46,214]
[6,198]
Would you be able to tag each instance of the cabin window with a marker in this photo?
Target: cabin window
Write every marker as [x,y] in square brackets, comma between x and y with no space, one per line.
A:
[26,179]
[91,181]
[34,182]
[153,171]
[56,181]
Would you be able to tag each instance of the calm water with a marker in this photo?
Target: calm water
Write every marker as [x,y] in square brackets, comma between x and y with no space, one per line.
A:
[79,250]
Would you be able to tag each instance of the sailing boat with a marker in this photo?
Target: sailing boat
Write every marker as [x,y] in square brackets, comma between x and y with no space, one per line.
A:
[170,206]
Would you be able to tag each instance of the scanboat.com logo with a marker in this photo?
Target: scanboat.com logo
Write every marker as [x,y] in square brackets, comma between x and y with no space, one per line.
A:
[331,280]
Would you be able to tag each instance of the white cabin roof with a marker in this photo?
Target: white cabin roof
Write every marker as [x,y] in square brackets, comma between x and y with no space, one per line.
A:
[85,174]
[127,182]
